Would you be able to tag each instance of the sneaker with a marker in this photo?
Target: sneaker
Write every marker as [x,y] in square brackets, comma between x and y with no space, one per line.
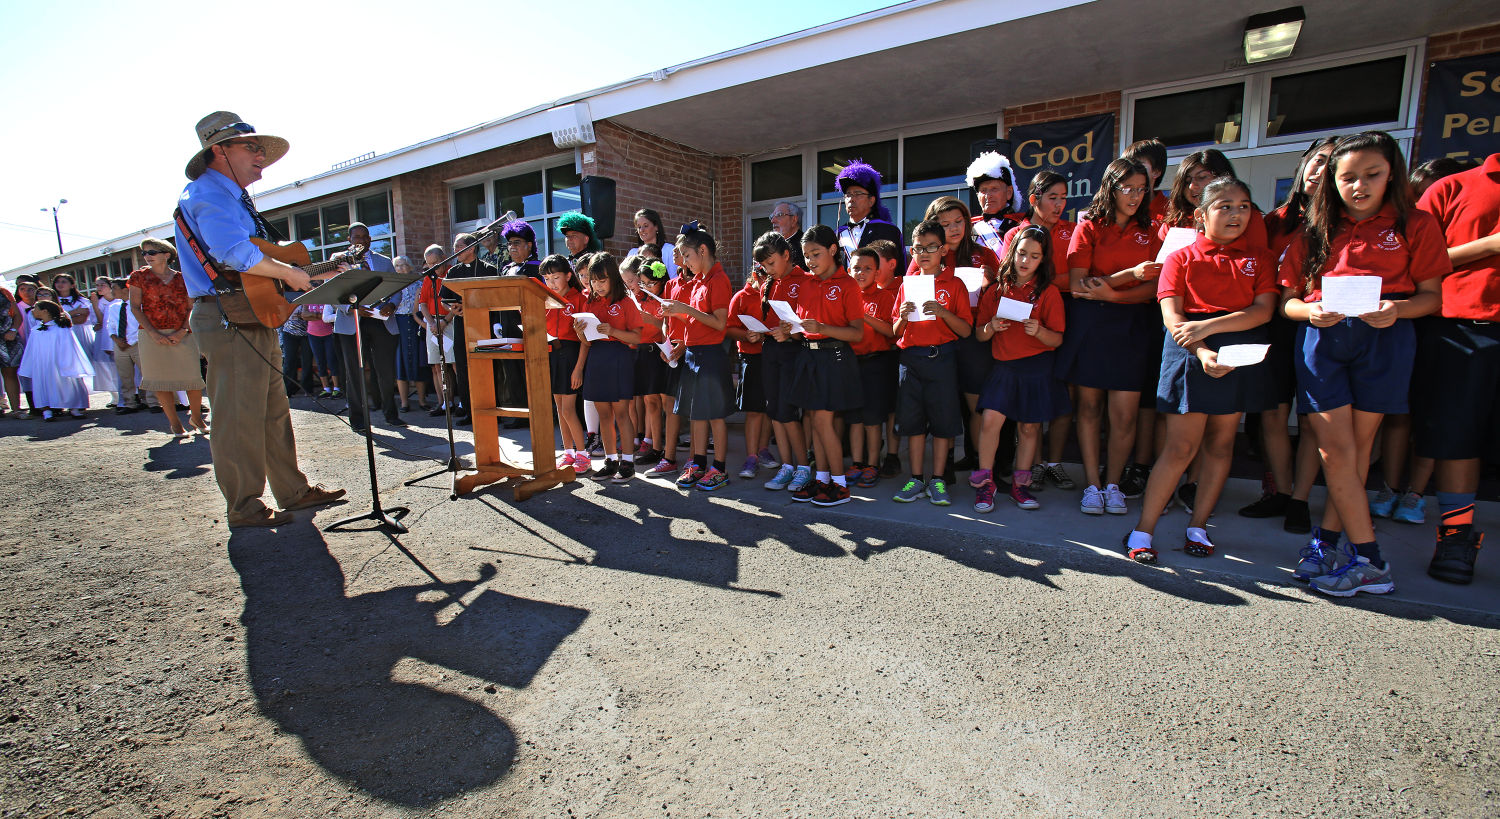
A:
[1298,518]
[624,473]
[912,490]
[937,492]
[1187,495]
[891,466]
[831,494]
[1023,498]
[807,492]
[691,474]
[1270,505]
[802,476]
[609,470]
[1133,482]
[1039,477]
[767,459]
[663,468]
[581,463]
[868,477]
[1114,500]
[984,497]
[1411,509]
[1059,477]
[852,475]
[1093,501]
[1358,575]
[1316,560]
[1384,502]
[642,451]
[750,466]
[1143,554]
[565,462]
[782,478]
[1457,549]
[712,479]
[593,445]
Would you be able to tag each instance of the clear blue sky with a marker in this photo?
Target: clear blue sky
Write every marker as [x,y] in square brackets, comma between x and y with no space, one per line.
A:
[101,97]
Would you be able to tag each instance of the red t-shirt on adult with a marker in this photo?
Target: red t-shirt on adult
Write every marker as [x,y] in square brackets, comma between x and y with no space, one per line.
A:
[434,305]
[560,319]
[620,315]
[745,301]
[1104,250]
[1207,277]
[1375,248]
[1467,208]
[707,293]
[1062,236]
[1012,342]
[879,303]
[951,294]
[835,301]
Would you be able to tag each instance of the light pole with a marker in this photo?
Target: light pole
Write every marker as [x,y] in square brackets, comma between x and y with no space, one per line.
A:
[55,226]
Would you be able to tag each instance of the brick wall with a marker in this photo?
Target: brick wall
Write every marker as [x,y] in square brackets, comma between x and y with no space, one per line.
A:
[1066,108]
[1465,43]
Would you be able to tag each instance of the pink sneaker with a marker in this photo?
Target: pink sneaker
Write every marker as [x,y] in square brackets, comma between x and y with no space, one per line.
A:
[643,450]
[581,463]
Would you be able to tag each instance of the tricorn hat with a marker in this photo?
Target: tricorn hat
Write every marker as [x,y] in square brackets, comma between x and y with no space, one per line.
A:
[222,126]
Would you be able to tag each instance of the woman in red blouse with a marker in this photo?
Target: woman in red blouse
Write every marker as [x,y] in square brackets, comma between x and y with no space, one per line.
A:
[170,361]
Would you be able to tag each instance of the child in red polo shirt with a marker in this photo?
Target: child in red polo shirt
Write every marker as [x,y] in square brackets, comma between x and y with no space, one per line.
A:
[751,397]
[703,392]
[1352,370]
[927,395]
[1219,291]
[784,282]
[609,363]
[566,367]
[877,369]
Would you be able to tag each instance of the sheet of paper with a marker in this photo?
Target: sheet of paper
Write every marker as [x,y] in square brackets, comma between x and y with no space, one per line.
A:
[1177,239]
[919,290]
[1351,295]
[654,296]
[591,329]
[1242,355]
[973,278]
[785,312]
[753,324]
[666,350]
[1013,309]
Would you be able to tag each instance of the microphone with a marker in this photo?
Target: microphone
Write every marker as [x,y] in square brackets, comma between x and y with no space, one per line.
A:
[510,216]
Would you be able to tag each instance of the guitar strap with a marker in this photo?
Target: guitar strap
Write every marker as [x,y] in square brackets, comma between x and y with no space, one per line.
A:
[229,293]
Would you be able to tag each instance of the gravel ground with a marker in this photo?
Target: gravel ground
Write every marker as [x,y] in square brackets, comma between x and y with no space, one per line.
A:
[620,651]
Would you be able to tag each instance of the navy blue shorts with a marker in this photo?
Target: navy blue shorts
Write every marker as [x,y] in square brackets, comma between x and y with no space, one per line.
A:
[776,368]
[1352,363]
[1280,359]
[826,377]
[703,391]
[1456,389]
[1110,346]
[609,373]
[752,391]
[1026,390]
[1184,387]
[877,380]
[561,361]
[927,401]
[653,376]
[974,360]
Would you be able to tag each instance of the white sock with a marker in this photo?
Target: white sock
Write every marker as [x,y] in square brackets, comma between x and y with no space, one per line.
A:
[569,452]
[822,477]
[1197,535]
[839,479]
[646,441]
[1140,540]
[614,457]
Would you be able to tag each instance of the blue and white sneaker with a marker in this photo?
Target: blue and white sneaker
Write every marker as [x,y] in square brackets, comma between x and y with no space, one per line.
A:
[1316,560]
[1384,502]
[801,477]
[1411,509]
[782,479]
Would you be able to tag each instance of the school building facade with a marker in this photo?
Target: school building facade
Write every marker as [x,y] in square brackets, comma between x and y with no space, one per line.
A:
[912,89]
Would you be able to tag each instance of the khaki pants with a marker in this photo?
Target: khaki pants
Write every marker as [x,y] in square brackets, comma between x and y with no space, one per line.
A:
[128,366]
[252,442]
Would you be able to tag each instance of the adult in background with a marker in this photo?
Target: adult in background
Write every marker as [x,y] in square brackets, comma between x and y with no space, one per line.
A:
[296,352]
[520,260]
[169,353]
[868,219]
[786,219]
[103,351]
[254,443]
[650,233]
[377,334]
[469,267]
[12,345]
[437,323]
[125,335]
[411,371]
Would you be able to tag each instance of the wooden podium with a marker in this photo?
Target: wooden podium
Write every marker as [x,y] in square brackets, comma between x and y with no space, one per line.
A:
[481,297]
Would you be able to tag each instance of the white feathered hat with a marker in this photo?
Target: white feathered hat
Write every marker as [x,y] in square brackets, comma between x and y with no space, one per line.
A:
[991,165]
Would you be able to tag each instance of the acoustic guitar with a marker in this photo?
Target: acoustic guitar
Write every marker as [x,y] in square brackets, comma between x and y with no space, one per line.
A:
[266,295]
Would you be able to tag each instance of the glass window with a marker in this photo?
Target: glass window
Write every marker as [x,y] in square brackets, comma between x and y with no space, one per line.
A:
[1333,98]
[375,212]
[522,194]
[381,246]
[335,224]
[555,238]
[879,155]
[1204,116]
[916,207]
[759,226]
[941,159]
[776,179]
[563,193]
[280,226]
[468,203]
[308,230]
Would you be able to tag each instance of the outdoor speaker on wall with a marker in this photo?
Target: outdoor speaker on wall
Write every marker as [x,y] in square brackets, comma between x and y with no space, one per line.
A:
[599,204]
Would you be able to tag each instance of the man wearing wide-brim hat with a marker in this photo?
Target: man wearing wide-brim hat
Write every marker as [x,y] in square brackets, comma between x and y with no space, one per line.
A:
[252,442]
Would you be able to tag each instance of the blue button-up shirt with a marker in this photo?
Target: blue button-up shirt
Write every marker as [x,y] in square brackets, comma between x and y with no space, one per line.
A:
[211,205]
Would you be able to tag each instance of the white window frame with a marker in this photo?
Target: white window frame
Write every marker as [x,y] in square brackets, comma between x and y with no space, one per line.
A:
[541,223]
[289,213]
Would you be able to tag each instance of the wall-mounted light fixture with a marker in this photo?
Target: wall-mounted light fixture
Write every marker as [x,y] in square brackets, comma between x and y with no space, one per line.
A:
[1273,34]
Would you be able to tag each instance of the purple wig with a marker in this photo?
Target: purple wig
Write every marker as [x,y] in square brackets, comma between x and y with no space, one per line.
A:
[518,227]
[861,175]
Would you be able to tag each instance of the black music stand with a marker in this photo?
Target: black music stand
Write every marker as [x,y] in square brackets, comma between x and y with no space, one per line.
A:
[359,287]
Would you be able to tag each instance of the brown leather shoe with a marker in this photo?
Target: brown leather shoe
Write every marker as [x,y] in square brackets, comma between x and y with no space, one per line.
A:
[268,517]
[318,495]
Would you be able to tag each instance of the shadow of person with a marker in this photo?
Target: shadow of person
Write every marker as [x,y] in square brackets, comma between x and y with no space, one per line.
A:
[179,458]
[321,664]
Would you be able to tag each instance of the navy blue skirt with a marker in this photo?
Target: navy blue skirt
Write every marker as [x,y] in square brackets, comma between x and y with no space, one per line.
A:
[826,378]
[703,390]
[1184,387]
[653,375]
[410,351]
[1026,390]
[752,389]
[1109,346]
[777,359]
[609,372]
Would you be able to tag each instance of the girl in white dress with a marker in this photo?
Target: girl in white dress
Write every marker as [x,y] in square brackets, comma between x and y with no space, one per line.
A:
[56,363]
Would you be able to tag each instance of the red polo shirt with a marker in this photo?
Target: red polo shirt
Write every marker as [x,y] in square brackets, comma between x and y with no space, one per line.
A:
[1254,235]
[835,301]
[676,290]
[650,333]
[1467,207]
[621,315]
[1104,250]
[1278,233]
[560,319]
[1159,205]
[951,294]
[1012,342]
[747,301]
[1062,236]
[880,304]
[1374,248]
[1212,278]
[788,288]
[708,294]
